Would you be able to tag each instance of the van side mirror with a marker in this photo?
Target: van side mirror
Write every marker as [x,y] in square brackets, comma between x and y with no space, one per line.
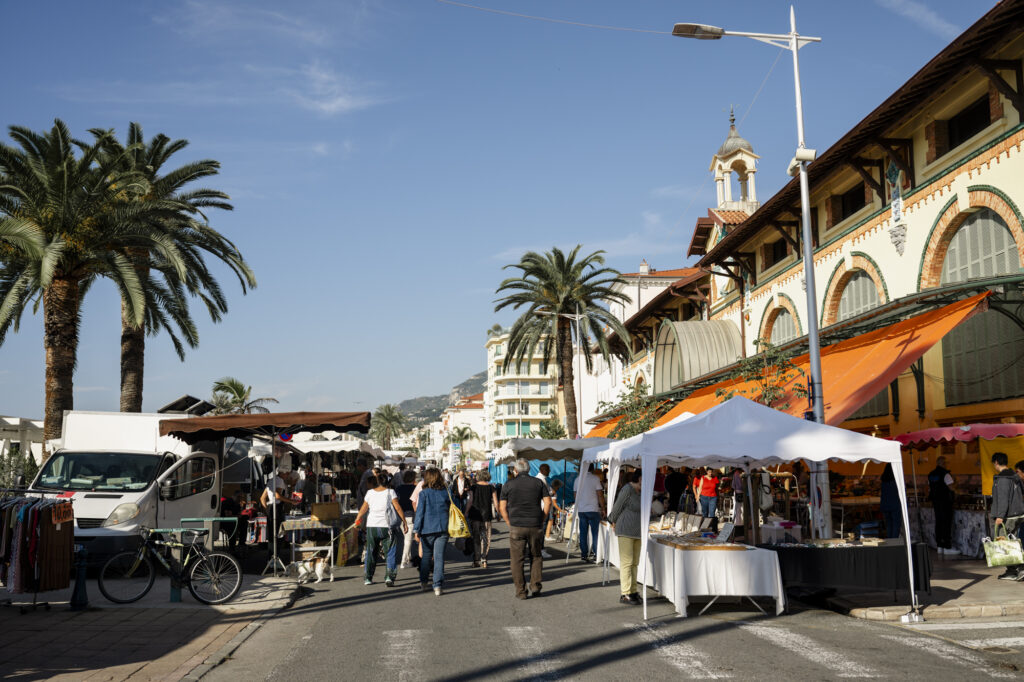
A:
[19,481]
[166,489]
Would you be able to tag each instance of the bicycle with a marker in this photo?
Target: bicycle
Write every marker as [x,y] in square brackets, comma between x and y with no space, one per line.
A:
[212,577]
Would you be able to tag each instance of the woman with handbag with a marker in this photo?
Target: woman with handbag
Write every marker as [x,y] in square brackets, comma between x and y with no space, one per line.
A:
[383,519]
[431,528]
[482,501]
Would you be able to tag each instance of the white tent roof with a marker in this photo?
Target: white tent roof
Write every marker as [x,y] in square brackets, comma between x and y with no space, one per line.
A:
[631,448]
[540,448]
[741,433]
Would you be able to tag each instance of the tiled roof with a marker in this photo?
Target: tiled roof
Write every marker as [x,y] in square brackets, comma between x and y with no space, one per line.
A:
[666,274]
[729,217]
[476,397]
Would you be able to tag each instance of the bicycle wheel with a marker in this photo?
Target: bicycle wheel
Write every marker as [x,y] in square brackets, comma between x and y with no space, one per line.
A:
[126,577]
[215,578]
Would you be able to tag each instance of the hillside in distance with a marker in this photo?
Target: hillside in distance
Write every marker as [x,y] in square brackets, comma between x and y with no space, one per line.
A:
[428,408]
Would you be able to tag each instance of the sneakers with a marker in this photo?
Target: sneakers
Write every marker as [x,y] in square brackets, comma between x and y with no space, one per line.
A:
[589,559]
[544,554]
[367,581]
[630,599]
[549,538]
[624,599]
[1009,574]
[1020,574]
[424,587]
[483,564]
[389,582]
[437,591]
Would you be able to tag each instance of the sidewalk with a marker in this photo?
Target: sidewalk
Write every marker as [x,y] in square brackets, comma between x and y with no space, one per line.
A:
[151,639]
[962,587]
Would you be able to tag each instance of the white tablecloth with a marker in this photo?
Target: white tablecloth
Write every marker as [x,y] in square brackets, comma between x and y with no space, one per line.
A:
[680,574]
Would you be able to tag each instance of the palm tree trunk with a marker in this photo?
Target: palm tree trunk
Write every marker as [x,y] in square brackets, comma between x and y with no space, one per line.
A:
[60,338]
[133,358]
[565,357]
[133,346]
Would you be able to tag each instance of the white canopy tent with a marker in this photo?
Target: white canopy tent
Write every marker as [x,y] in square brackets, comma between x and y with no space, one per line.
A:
[540,448]
[742,433]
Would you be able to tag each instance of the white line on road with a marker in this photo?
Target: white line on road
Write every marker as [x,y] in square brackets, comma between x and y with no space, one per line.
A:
[809,649]
[994,641]
[949,652]
[401,655]
[966,626]
[682,656]
[536,664]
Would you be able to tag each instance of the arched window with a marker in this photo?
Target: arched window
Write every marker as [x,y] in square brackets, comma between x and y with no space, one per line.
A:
[982,357]
[859,296]
[783,328]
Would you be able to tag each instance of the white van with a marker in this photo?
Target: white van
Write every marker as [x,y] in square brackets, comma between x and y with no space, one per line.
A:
[122,476]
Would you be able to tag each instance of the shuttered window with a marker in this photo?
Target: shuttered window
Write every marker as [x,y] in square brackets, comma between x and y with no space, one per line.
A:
[783,329]
[859,296]
[982,358]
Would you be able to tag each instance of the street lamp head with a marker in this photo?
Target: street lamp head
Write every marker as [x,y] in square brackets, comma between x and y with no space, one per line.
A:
[698,31]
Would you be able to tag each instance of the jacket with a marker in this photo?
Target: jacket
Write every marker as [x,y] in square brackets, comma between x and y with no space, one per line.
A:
[1007,496]
[431,512]
[626,513]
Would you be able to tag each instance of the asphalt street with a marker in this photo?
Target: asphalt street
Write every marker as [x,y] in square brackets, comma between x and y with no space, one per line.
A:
[576,629]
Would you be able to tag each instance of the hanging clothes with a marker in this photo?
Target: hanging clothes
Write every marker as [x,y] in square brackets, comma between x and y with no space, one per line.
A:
[36,544]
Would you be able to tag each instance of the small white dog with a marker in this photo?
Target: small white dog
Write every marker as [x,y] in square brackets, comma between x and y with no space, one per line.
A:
[317,566]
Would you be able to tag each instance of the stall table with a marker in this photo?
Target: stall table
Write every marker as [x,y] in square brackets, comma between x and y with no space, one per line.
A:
[295,525]
[679,574]
[881,568]
[969,527]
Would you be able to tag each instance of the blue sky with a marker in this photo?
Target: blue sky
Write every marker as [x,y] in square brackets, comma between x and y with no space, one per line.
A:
[386,159]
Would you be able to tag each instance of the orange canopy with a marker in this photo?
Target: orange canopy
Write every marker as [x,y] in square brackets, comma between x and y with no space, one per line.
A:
[855,370]
[604,428]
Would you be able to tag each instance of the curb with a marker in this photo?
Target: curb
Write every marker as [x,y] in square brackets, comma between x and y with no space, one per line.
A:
[225,651]
[934,612]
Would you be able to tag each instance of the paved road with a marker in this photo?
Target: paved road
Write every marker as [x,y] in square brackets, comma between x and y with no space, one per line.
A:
[578,630]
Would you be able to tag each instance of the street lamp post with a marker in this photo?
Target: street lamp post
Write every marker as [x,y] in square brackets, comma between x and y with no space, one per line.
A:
[792,41]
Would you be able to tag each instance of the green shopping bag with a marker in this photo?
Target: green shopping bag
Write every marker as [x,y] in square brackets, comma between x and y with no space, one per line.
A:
[1004,550]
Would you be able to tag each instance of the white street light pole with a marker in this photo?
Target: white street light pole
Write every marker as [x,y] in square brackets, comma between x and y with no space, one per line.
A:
[793,41]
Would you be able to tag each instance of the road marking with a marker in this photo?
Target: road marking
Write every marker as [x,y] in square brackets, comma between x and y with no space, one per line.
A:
[809,649]
[401,655]
[536,664]
[682,656]
[994,641]
[949,652]
[967,626]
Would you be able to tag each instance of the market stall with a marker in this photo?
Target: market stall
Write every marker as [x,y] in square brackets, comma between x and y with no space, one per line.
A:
[742,433]
[271,426]
[972,469]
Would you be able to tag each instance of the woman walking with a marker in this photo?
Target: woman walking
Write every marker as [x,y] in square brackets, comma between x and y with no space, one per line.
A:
[625,520]
[483,498]
[431,527]
[384,517]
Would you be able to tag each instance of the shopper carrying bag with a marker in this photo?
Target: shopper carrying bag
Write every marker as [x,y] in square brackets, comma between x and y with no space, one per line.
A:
[457,526]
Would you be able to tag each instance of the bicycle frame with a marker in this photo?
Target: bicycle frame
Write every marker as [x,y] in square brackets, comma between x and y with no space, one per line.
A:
[150,545]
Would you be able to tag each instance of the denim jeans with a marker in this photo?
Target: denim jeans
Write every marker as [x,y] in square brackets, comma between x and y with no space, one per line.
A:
[708,506]
[384,538]
[433,545]
[589,524]
[395,549]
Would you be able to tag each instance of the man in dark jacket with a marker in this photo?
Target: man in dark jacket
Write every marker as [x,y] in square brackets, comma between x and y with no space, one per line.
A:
[941,489]
[1007,506]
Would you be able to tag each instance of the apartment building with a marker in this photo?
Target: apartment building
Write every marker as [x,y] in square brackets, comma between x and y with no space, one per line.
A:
[518,400]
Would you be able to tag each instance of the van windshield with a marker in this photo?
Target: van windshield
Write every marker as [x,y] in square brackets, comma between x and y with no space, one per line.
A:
[98,471]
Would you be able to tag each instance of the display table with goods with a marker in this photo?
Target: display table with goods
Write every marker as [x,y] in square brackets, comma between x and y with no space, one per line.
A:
[684,565]
[969,527]
[871,564]
[317,527]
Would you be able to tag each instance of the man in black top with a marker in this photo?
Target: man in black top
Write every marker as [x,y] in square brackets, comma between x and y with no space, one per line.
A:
[1007,506]
[525,503]
[940,492]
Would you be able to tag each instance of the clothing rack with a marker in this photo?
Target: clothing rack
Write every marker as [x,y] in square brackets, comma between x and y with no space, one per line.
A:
[31,541]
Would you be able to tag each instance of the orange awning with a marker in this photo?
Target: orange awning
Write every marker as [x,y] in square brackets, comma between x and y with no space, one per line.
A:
[604,428]
[855,370]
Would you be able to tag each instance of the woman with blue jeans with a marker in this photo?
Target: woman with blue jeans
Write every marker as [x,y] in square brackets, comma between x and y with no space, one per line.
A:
[431,528]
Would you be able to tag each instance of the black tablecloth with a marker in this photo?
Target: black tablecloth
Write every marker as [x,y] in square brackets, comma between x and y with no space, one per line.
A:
[874,568]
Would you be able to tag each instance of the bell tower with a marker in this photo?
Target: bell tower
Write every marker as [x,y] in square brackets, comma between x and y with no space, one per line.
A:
[736,155]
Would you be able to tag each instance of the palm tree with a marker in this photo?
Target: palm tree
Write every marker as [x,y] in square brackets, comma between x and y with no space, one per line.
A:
[167,306]
[231,396]
[83,205]
[459,435]
[495,330]
[387,423]
[563,297]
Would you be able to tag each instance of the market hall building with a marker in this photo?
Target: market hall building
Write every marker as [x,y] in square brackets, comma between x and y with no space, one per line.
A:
[918,263]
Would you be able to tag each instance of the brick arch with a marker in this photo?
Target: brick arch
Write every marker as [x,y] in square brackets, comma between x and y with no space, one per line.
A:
[950,220]
[771,313]
[840,278]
